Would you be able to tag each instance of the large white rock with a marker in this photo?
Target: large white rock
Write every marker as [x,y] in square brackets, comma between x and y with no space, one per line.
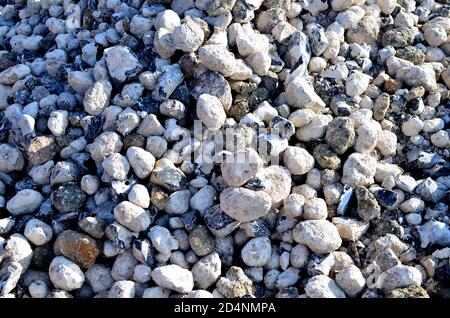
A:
[117,166]
[299,93]
[162,240]
[14,73]
[356,83]
[132,216]
[96,98]
[257,251]
[298,160]
[203,199]
[65,274]
[173,277]
[217,58]
[122,63]
[349,228]
[321,236]
[38,232]
[322,286]
[359,169]
[242,166]
[276,182]
[207,270]
[11,159]
[141,161]
[178,202]
[243,204]
[399,276]
[18,250]
[24,202]
[99,278]
[315,209]
[210,111]
[351,280]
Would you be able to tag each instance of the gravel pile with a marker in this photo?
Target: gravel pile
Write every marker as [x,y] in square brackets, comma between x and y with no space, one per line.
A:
[224,148]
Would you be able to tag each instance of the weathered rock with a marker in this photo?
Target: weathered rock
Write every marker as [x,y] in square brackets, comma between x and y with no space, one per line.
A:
[201,241]
[321,236]
[79,248]
[41,149]
[236,284]
[244,205]
[340,134]
[257,251]
[359,170]
[166,175]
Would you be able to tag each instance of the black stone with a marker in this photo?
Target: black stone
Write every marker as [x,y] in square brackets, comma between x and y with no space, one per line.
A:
[84,292]
[258,95]
[93,127]
[189,220]
[31,83]
[5,178]
[148,104]
[6,63]
[413,105]
[270,82]
[84,161]
[57,88]
[45,210]
[343,111]
[21,222]
[5,125]
[398,101]
[42,256]
[25,184]
[21,97]
[103,15]
[181,94]
[47,42]
[258,228]
[131,42]
[443,273]
[254,184]
[385,197]
[215,219]
[147,57]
